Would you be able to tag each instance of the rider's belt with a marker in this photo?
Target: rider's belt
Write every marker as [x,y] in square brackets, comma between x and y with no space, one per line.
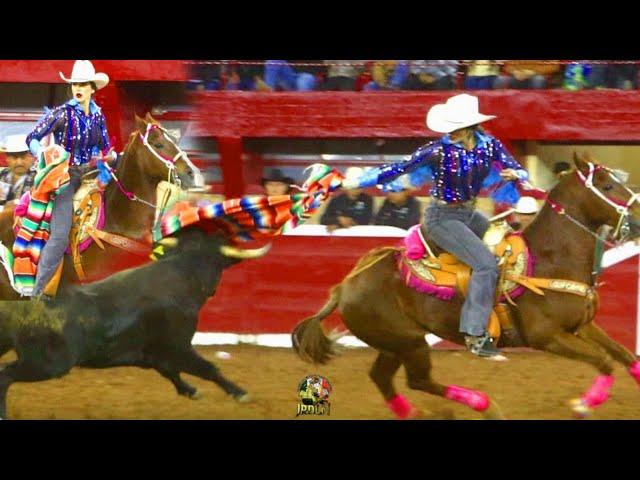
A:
[87,167]
[467,204]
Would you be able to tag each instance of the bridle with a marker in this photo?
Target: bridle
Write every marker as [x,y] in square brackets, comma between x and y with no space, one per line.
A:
[622,227]
[169,162]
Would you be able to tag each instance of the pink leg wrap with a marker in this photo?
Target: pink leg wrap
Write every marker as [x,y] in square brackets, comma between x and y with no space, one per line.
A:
[400,406]
[599,391]
[477,400]
[634,370]
[415,248]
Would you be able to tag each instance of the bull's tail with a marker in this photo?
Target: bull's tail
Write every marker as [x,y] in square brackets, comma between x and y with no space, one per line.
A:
[309,341]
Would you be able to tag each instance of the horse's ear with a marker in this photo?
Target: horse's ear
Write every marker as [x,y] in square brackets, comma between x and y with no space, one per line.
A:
[140,124]
[149,118]
[581,161]
[590,158]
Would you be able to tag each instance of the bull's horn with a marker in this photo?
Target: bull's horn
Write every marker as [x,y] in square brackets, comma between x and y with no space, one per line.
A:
[233,252]
[169,242]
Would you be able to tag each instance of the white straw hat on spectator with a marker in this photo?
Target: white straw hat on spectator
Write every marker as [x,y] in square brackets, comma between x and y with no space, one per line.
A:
[527,206]
[83,71]
[458,112]
[14,144]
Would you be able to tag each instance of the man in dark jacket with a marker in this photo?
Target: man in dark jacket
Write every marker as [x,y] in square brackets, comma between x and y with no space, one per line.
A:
[399,210]
[354,207]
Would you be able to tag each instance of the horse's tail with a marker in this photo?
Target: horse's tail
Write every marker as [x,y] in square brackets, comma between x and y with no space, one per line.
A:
[309,341]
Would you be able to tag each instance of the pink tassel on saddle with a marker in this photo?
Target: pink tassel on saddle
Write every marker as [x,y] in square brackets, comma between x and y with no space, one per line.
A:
[414,245]
[599,391]
[634,370]
[479,401]
[400,406]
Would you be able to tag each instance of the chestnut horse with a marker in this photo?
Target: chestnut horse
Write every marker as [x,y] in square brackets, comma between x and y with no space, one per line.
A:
[150,156]
[378,308]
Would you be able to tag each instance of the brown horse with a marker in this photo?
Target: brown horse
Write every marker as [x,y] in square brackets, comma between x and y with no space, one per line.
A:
[379,309]
[149,157]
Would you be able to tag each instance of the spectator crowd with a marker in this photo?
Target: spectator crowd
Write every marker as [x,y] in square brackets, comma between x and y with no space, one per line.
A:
[380,75]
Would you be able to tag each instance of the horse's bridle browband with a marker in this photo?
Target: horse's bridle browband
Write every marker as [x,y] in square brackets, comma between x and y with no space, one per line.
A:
[170,163]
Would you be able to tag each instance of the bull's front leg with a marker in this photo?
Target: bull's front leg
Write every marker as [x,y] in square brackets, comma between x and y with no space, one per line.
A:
[182,387]
[190,362]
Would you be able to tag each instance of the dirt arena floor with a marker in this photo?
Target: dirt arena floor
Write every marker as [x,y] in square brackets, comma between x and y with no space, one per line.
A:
[531,385]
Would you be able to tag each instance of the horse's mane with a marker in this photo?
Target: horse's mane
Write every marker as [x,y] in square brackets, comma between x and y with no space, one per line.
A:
[149,120]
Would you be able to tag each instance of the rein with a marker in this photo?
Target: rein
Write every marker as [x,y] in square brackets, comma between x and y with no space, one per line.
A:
[168,162]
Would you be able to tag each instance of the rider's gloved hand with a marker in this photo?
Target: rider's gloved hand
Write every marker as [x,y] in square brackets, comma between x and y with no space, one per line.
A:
[110,157]
[35,148]
[104,176]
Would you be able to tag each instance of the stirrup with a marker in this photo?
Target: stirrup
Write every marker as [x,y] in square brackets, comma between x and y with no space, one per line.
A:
[483,346]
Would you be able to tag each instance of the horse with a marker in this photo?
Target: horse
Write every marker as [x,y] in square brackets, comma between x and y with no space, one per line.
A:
[380,309]
[150,156]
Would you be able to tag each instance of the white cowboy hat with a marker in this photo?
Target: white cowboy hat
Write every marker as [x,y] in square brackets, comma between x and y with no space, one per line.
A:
[83,71]
[15,144]
[458,112]
[526,206]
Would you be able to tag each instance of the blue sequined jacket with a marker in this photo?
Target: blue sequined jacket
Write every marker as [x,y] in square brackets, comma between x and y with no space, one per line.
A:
[457,175]
[83,136]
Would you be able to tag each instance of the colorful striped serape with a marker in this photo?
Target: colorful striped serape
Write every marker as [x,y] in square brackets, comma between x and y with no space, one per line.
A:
[52,178]
[254,217]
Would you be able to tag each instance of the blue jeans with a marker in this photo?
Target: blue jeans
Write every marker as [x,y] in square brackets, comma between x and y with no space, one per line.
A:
[459,230]
[278,73]
[480,83]
[247,84]
[397,80]
[535,82]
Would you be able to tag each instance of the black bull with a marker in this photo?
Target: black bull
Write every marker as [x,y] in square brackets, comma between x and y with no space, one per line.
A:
[144,317]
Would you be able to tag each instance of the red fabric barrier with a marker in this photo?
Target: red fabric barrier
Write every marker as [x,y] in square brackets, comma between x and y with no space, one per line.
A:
[600,115]
[273,293]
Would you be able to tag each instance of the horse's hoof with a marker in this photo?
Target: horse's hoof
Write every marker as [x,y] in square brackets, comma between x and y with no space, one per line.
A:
[493,412]
[414,414]
[244,398]
[579,409]
[196,395]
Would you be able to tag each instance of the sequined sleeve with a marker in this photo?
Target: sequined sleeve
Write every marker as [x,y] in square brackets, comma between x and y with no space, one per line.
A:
[105,143]
[52,121]
[502,156]
[421,164]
